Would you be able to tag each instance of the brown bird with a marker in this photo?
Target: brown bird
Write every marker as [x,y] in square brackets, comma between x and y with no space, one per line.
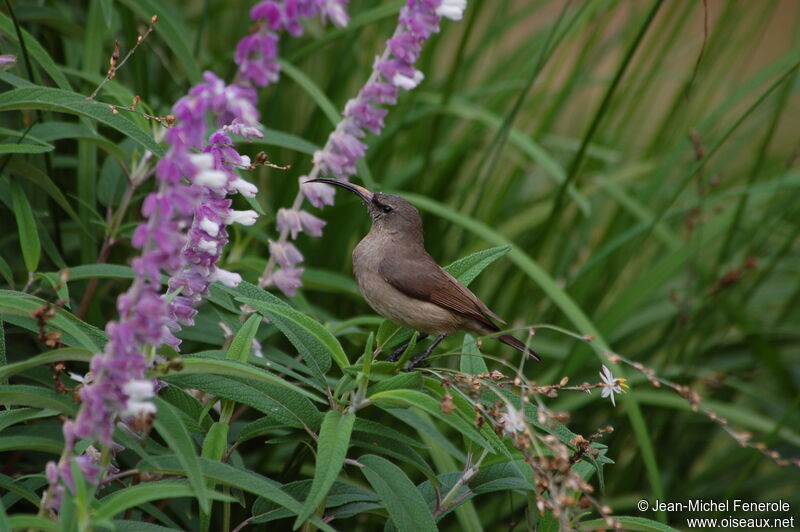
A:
[402,282]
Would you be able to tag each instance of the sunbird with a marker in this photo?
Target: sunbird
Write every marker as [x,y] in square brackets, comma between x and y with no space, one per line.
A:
[401,281]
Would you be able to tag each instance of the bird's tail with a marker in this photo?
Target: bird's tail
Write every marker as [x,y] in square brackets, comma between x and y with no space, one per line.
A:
[519,346]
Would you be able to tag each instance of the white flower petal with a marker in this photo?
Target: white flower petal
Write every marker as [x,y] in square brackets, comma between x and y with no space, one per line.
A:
[226,277]
[211,178]
[244,188]
[248,217]
[202,161]
[209,226]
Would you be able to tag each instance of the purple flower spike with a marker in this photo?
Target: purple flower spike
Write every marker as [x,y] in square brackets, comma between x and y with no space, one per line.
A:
[257,54]
[393,70]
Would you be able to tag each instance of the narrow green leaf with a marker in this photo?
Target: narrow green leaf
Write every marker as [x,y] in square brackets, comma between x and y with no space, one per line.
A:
[80,333]
[233,368]
[3,358]
[36,396]
[59,130]
[214,446]
[25,148]
[133,496]
[273,137]
[215,442]
[32,522]
[21,415]
[36,51]
[416,399]
[630,523]
[277,402]
[168,424]
[170,27]
[30,443]
[64,101]
[5,271]
[314,342]
[242,342]
[4,524]
[26,225]
[471,360]
[399,495]
[239,478]
[334,439]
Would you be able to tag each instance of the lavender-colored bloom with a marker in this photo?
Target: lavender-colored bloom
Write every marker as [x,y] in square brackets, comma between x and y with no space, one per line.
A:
[393,70]
[257,53]
[287,280]
[296,221]
[318,194]
[7,61]
[419,19]
[285,254]
[119,387]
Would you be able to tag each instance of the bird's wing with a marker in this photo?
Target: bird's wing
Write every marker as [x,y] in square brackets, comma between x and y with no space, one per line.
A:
[429,282]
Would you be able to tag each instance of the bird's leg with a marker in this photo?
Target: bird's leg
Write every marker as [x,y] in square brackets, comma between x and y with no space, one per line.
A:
[400,350]
[424,355]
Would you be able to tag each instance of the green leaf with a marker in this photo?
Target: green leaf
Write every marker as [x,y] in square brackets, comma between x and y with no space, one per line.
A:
[471,360]
[4,524]
[58,130]
[466,269]
[228,475]
[31,522]
[19,304]
[48,357]
[630,523]
[273,137]
[36,51]
[5,271]
[233,368]
[215,442]
[277,402]
[314,342]
[397,450]
[64,101]
[26,225]
[413,398]
[21,415]
[25,148]
[168,424]
[23,169]
[340,494]
[242,342]
[334,439]
[3,358]
[170,28]
[31,443]
[36,396]
[407,380]
[141,526]
[399,495]
[133,496]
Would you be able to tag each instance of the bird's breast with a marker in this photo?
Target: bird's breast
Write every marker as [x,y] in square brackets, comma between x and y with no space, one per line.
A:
[393,304]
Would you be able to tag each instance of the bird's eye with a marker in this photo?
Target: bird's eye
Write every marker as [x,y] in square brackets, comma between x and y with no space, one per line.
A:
[387,209]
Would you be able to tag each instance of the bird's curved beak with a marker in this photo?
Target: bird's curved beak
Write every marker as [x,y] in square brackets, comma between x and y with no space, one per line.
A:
[361,192]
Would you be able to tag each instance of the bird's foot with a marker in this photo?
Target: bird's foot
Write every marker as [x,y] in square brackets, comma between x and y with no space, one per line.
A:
[415,362]
[397,353]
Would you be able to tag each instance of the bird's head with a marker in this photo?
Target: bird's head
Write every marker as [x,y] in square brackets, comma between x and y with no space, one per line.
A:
[389,213]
